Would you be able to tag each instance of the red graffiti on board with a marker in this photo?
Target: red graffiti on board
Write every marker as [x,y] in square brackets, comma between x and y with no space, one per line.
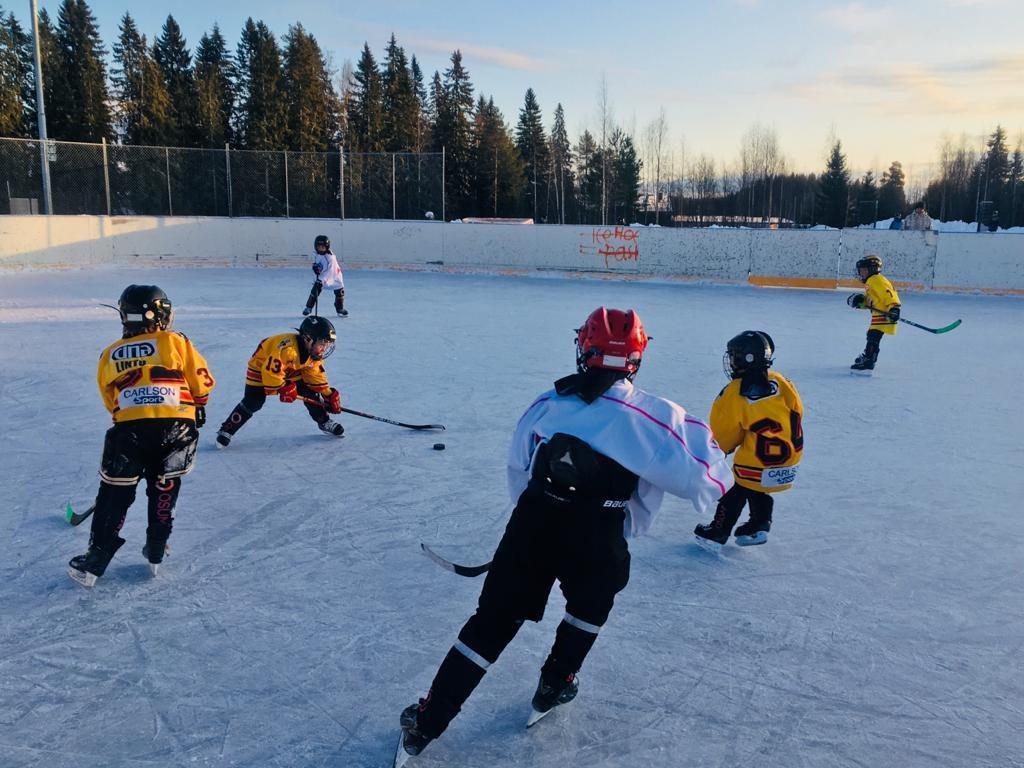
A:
[612,243]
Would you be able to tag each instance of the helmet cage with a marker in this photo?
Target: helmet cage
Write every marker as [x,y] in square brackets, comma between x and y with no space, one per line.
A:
[741,354]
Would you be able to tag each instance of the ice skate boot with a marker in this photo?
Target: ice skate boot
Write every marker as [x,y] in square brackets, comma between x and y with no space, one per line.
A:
[547,697]
[87,568]
[155,559]
[331,428]
[412,741]
[754,531]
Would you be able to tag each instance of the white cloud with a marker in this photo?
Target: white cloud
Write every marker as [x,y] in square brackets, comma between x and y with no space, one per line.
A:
[491,54]
[856,17]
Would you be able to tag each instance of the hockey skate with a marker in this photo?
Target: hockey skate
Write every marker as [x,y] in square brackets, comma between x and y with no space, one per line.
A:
[86,569]
[412,741]
[223,439]
[753,532]
[863,365]
[154,561]
[712,536]
[331,428]
[547,697]
[306,311]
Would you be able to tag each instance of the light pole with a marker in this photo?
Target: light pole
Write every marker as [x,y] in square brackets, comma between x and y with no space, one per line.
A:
[44,158]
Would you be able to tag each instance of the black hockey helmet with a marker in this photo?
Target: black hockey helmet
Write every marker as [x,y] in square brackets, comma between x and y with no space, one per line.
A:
[872,263]
[144,309]
[323,240]
[748,352]
[319,335]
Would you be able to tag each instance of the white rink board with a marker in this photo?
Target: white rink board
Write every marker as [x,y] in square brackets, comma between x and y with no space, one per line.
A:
[992,263]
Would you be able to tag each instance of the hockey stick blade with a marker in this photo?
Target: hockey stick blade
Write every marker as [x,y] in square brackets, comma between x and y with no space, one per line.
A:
[462,570]
[75,518]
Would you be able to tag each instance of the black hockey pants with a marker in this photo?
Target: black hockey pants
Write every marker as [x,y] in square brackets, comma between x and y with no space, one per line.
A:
[577,541]
[730,507]
[159,450]
[873,343]
[254,399]
[314,294]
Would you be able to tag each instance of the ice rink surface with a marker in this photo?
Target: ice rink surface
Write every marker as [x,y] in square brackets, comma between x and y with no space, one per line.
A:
[881,625]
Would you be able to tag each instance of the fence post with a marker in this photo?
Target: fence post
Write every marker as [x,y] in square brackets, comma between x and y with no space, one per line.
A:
[442,184]
[167,166]
[44,150]
[227,171]
[287,201]
[341,161]
[394,192]
[106,174]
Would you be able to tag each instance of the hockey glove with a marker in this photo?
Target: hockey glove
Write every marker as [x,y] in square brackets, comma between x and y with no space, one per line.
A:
[855,300]
[288,392]
[894,314]
[333,401]
[200,416]
[317,269]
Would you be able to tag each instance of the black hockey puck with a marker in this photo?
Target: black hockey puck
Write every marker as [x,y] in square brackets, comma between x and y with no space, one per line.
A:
[438,446]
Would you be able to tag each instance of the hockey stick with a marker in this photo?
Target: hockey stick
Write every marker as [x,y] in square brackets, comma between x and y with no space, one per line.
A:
[74,517]
[943,329]
[462,570]
[316,401]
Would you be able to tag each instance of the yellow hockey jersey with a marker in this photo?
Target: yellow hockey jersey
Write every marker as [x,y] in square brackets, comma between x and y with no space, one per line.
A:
[157,375]
[767,433]
[879,294]
[278,359]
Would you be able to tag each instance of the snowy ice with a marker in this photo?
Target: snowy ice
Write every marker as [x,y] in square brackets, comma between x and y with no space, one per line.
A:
[881,625]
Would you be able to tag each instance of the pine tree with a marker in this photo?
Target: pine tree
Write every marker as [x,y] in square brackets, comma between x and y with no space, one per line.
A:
[313,105]
[561,168]
[497,168]
[533,149]
[996,173]
[422,118]
[262,116]
[401,107]
[143,107]
[892,198]
[625,184]
[588,171]
[1015,185]
[453,134]
[215,90]
[17,101]
[833,195]
[865,192]
[175,61]
[366,120]
[50,63]
[77,103]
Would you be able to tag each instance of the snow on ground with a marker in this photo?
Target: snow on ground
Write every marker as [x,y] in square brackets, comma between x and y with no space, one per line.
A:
[881,625]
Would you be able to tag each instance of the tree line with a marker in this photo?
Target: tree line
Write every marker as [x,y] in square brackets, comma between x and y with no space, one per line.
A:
[271,94]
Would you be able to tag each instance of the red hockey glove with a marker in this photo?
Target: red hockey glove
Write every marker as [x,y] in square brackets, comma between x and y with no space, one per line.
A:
[288,392]
[333,401]
[855,300]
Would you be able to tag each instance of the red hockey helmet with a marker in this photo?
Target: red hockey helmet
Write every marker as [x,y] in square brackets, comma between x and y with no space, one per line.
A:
[612,339]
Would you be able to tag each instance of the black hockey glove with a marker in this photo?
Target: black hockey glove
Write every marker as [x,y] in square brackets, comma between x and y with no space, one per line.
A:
[317,269]
[200,416]
[894,314]
[855,300]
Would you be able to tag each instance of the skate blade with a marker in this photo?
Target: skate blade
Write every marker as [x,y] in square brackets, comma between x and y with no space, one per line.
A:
[154,569]
[708,545]
[748,541]
[535,717]
[401,756]
[854,372]
[84,578]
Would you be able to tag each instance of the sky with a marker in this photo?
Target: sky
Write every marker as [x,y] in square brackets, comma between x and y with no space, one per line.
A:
[890,80]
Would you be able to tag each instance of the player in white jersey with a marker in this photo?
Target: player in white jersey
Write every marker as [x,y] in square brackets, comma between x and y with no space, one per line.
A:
[328,275]
[587,468]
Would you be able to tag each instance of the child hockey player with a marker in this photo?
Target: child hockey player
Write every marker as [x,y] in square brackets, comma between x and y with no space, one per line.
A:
[155,385]
[290,366]
[588,466]
[759,413]
[328,275]
[884,304]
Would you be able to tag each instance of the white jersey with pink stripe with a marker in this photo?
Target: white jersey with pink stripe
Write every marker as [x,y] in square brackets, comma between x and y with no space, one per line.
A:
[654,438]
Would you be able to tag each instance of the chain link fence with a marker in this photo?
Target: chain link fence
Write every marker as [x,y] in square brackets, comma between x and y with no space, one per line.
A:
[120,180]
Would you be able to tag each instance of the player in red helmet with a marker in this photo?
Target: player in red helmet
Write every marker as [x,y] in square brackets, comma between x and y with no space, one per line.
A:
[589,463]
